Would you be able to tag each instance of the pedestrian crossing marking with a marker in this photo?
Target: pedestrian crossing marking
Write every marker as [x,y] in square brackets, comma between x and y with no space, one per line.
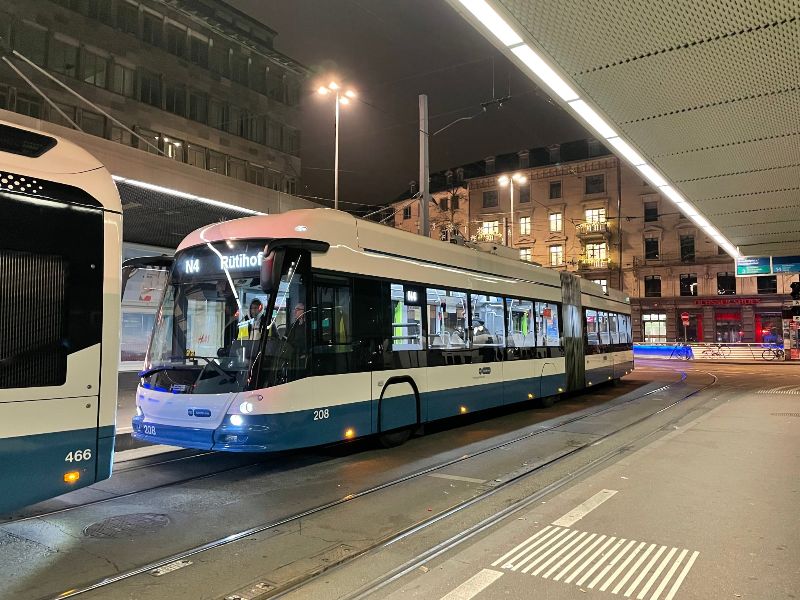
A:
[596,561]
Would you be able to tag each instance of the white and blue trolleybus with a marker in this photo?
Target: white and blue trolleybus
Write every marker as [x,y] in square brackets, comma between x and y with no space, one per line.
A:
[312,326]
[59,316]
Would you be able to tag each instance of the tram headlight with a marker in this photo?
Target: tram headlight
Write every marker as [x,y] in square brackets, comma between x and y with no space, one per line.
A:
[237,420]
[246,407]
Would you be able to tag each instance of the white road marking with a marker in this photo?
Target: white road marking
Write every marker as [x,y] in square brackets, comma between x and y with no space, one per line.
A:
[518,546]
[474,585]
[621,568]
[657,572]
[600,562]
[669,575]
[642,558]
[560,534]
[549,552]
[577,549]
[580,511]
[556,556]
[574,562]
[587,562]
[608,567]
[456,477]
[681,577]
[644,572]
[550,535]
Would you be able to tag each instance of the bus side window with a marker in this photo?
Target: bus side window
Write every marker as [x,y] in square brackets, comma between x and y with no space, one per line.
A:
[407,302]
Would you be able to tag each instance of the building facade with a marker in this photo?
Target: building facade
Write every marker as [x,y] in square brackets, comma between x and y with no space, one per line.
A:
[579,208]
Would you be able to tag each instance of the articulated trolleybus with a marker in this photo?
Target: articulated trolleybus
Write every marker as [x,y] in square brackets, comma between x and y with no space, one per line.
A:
[311,327]
[59,316]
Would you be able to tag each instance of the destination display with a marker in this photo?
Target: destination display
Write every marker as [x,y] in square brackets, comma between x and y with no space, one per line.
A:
[786,264]
[747,266]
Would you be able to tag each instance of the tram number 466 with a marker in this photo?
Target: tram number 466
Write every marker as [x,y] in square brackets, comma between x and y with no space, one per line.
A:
[79,455]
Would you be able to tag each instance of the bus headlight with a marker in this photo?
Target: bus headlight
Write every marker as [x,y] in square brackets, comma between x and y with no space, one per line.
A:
[139,412]
[237,420]
[246,407]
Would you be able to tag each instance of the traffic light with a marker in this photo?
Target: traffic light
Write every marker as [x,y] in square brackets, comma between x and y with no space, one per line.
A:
[795,293]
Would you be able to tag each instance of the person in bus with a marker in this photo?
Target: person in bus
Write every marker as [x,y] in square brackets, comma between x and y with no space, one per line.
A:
[253,322]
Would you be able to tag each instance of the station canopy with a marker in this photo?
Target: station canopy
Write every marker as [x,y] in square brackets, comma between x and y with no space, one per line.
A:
[704,93]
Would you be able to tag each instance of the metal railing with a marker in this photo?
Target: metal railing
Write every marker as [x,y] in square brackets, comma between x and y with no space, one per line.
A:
[593,228]
[709,351]
[594,263]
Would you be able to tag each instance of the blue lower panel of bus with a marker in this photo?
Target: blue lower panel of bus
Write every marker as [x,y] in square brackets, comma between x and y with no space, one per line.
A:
[32,467]
[599,375]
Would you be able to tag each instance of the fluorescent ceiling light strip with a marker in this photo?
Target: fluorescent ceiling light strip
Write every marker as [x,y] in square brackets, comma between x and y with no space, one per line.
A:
[492,21]
[652,175]
[626,151]
[185,195]
[701,220]
[593,119]
[544,72]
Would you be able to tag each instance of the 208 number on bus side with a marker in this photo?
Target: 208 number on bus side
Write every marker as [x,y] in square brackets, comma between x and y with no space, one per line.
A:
[322,413]
[79,455]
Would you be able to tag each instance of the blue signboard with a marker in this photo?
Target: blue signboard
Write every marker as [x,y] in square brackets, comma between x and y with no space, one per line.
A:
[786,264]
[747,266]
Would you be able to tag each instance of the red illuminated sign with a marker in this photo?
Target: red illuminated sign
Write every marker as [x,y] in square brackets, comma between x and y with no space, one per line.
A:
[726,301]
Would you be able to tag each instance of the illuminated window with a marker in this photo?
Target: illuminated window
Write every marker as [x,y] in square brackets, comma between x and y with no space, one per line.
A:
[602,283]
[596,215]
[556,222]
[525,254]
[556,255]
[655,327]
[490,228]
[597,252]
[524,225]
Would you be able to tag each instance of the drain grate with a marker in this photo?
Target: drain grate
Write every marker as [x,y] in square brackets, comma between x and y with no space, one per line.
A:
[785,414]
[124,526]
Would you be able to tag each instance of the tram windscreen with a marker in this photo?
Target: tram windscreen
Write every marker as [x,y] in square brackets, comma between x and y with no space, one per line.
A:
[211,319]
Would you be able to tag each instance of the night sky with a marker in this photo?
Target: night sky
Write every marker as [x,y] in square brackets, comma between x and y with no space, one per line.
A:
[390,51]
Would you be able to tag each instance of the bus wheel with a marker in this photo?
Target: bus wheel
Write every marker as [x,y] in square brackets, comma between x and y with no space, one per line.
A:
[391,439]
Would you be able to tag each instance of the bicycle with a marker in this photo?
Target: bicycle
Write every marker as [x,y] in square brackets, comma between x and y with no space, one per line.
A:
[717,351]
[773,352]
[682,350]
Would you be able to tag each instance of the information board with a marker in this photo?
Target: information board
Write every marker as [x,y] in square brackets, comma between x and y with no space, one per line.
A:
[747,266]
[786,264]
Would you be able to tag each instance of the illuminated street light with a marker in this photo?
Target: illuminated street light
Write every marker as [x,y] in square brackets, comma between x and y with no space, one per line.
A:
[505,180]
[334,87]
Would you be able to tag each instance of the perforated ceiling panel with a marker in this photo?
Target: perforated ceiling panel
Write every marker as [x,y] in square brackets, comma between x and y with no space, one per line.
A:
[708,91]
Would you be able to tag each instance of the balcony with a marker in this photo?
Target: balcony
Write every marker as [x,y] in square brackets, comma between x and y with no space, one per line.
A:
[593,229]
[589,264]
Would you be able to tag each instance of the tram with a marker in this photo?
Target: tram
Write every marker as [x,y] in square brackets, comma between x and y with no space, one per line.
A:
[312,327]
[59,316]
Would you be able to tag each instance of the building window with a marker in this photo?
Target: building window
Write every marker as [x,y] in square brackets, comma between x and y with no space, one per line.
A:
[128,17]
[29,105]
[603,283]
[94,69]
[687,248]
[63,57]
[237,169]
[176,41]
[652,286]
[595,148]
[556,223]
[174,149]
[454,202]
[239,65]
[596,215]
[524,194]
[152,140]
[556,255]
[31,42]
[650,212]
[407,212]
[651,248]
[198,107]
[152,28]
[688,284]
[767,284]
[255,175]
[176,99]
[655,327]
[198,51]
[196,156]
[216,162]
[120,135]
[595,184]
[123,80]
[490,199]
[217,114]
[597,252]
[150,88]
[490,228]
[93,123]
[444,204]
[68,110]
[726,284]
[555,190]
[525,254]
[219,60]
[524,225]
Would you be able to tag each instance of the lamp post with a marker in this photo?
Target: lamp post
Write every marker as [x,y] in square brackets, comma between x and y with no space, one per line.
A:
[341,98]
[505,180]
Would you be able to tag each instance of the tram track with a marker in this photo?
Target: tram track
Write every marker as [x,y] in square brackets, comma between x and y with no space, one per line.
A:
[234,537]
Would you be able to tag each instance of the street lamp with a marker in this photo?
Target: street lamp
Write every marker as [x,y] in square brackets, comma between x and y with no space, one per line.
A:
[505,180]
[341,98]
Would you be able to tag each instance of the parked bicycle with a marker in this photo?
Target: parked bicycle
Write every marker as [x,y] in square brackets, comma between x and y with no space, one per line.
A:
[717,351]
[682,350]
[772,353]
